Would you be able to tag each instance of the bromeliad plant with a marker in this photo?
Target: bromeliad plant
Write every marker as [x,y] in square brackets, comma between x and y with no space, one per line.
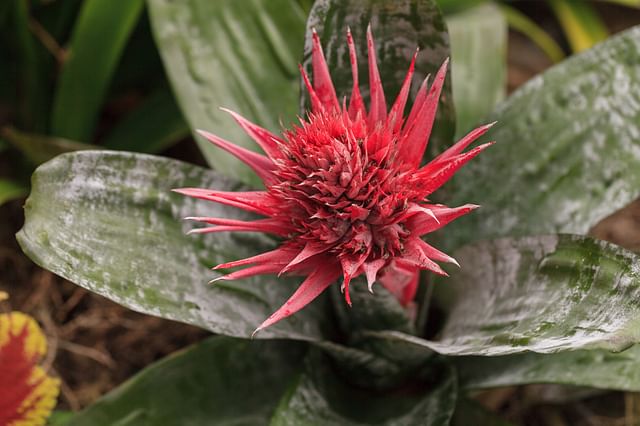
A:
[535,300]
[345,189]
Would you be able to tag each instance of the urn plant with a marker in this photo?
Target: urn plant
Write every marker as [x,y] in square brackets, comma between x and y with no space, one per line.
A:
[344,197]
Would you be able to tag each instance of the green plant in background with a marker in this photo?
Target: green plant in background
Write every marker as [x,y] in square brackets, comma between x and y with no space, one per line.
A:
[72,57]
[536,301]
[580,22]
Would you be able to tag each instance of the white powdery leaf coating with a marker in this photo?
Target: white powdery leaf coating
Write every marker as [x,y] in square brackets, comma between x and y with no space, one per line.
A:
[109,222]
[542,294]
[568,151]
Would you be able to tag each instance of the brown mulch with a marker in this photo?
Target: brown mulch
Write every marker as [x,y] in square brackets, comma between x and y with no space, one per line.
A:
[94,344]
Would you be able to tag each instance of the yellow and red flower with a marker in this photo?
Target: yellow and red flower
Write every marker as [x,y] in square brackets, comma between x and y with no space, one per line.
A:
[27,393]
[345,189]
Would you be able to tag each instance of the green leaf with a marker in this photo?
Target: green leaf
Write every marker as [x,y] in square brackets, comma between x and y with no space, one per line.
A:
[520,22]
[478,63]
[398,28]
[34,69]
[453,6]
[10,190]
[581,24]
[219,381]
[153,126]
[41,148]
[99,37]
[322,397]
[379,310]
[542,294]
[593,368]
[118,231]
[567,152]
[241,55]
[60,418]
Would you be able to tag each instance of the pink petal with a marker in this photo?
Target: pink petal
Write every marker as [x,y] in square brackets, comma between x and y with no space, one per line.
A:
[414,255]
[350,267]
[264,138]
[251,271]
[463,143]
[437,174]
[321,78]
[356,104]
[253,201]
[371,271]
[309,250]
[310,288]
[316,104]
[260,164]
[417,105]
[435,254]
[401,281]
[410,289]
[423,224]
[415,143]
[271,226]
[280,256]
[378,106]
[397,110]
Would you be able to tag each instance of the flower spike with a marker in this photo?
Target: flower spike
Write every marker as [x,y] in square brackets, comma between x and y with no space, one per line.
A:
[345,190]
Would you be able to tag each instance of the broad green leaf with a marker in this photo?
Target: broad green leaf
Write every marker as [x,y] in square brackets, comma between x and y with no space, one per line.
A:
[520,22]
[41,148]
[398,27]
[156,124]
[241,55]
[542,294]
[10,190]
[595,368]
[478,63]
[567,152]
[379,310]
[581,24]
[99,37]
[108,222]
[321,397]
[60,418]
[220,381]
[34,64]
[454,6]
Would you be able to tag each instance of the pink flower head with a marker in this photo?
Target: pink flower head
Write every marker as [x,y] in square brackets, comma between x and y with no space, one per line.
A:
[345,189]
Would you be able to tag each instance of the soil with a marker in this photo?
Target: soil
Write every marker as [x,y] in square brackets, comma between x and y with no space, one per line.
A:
[94,344]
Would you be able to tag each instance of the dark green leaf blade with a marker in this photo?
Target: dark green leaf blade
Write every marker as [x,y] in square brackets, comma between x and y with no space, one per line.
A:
[478,63]
[322,397]
[99,37]
[237,55]
[40,148]
[595,368]
[567,152]
[208,383]
[156,124]
[10,190]
[543,294]
[108,222]
[398,27]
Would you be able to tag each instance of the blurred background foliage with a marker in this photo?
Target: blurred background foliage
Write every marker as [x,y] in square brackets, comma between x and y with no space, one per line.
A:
[79,74]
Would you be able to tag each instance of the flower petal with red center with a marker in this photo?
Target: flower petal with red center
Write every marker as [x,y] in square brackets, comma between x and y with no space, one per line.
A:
[27,393]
